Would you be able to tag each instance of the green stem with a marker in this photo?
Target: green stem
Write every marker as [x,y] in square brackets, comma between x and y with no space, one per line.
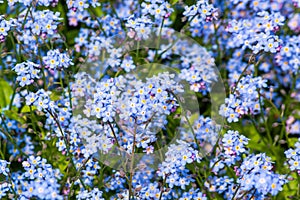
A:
[14,47]
[264,120]
[158,40]
[100,178]
[116,14]
[33,119]
[2,154]
[5,131]
[1,60]
[77,176]
[66,143]
[282,132]
[137,50]
[99,23]
[13,190]
[262,138]
[113,131]
[26,15]
[69,90]
[162,187]
[249,63]
[132,162]
[13,97]
[298,190]
[189,124]
[43,67]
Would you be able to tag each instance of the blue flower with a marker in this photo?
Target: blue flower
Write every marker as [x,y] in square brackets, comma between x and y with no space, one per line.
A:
[127,64]
[4,187]
[27,72]
[4,167]
[4,27]
[56,60]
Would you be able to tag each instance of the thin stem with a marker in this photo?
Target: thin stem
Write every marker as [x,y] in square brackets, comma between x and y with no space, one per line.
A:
[2,154]
[132,162]
[189,124]
[162,187]
[43,67]
[262,138]
[245,69]
[113,131]
[67,144]
[220,52]
[13,97]
[115,12]
[26,15]
[282,132]
[264,120]
[298,178]
[5,131]
[236,191]
[69,90]
[33,118]
[13,190]
[159,37]
[138,49]
[99,22]
[77,175]
[14,46]
[1,60]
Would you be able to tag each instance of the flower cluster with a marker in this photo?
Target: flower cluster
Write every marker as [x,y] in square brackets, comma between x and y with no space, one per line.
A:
[293,157]
[25,142]
[5,27]
[99,137]
[257,34]
[4,170]
[198,68]
[200,12]
[256,172]
[157,9]
[221,185]
[193,194]
[233,146]
[56,60]
[27,72]
[94,194]
[245,99]
[199,17]
[173,168]
[29,3]
[39,180]
[40,99]
[205,131]
[288,57]
[38,26]
[140,27]
[151,191]
[136,106]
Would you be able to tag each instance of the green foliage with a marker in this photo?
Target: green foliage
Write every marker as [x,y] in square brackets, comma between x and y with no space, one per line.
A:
[5,93]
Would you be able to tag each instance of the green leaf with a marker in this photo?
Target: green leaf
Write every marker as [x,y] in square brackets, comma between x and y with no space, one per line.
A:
[12,114]
[290,189]
[5,93]
[26,109]
[174,2]
[54,96]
